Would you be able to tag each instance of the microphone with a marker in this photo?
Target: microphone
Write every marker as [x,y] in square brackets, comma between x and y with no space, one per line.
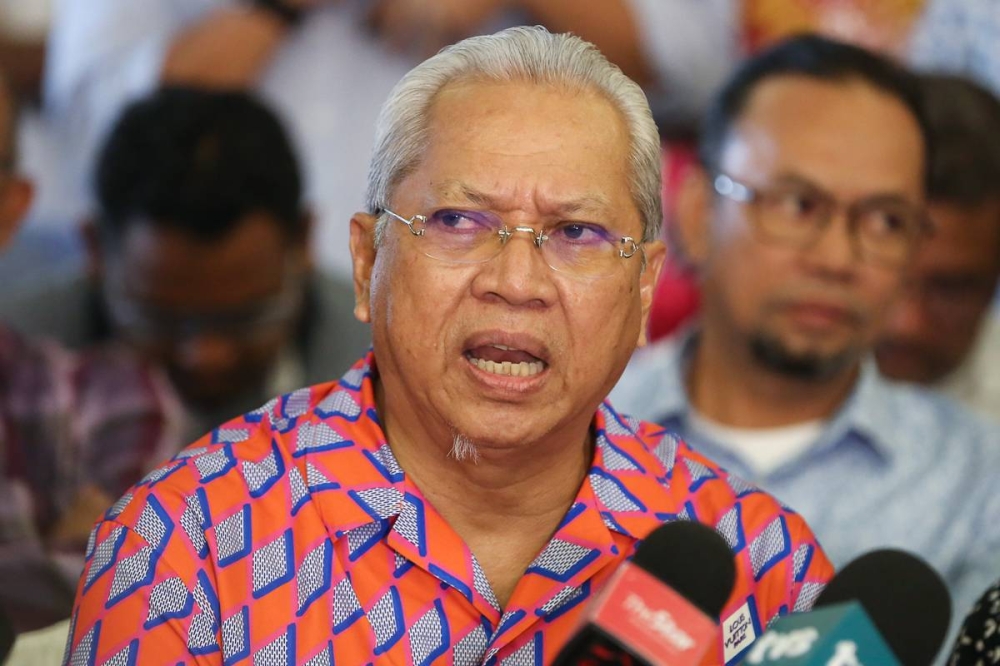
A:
[887,607]
[979,640]
[661,608]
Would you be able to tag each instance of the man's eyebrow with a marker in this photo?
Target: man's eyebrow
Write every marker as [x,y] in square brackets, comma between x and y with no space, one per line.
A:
[797,179]
[463,191]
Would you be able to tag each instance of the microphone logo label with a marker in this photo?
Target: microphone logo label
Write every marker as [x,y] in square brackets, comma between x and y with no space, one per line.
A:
[775,646]
[845,653]
[739,630]
[660,621]
[651,620]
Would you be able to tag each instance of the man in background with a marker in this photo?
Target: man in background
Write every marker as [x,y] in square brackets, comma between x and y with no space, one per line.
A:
[76,430]
[802,221]
[942,332]
[202,259]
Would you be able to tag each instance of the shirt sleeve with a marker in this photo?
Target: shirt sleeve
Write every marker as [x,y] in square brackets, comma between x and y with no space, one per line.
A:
[691,46]
[811,569]
[133,607]
[127,418]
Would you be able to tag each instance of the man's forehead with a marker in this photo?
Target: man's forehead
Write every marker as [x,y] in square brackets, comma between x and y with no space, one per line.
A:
[461,106]
[846,135]
[499,197]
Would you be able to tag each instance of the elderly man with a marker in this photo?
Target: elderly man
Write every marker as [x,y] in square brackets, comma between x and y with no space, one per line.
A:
[459,494]
[805,214]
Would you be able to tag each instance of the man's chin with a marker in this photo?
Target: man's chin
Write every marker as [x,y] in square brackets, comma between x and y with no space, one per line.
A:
[806,363]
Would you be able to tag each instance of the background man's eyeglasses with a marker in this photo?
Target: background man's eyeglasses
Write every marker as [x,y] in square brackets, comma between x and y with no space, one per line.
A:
[884,230]
[151,325]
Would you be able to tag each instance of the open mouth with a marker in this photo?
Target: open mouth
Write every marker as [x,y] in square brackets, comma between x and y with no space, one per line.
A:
[503,360]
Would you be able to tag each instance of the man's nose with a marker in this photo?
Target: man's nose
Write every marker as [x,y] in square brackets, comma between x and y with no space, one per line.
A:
[835,250]
[519,274]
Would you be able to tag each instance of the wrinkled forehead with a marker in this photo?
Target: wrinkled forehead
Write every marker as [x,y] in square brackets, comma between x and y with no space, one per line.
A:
[502,143]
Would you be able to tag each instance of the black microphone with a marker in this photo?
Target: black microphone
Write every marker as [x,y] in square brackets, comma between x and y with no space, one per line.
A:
[979,640]
[887,606]
[905,598]
[662,608]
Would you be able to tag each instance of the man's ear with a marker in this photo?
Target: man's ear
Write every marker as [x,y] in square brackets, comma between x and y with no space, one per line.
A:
[656,253]
[363,258]
[694,216]
[15,200]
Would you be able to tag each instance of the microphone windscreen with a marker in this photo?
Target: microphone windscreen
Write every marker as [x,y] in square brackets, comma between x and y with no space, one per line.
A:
[694,560]
[905,598]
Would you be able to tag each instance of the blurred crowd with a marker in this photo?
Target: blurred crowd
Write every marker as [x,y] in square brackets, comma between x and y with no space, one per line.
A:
[177,179]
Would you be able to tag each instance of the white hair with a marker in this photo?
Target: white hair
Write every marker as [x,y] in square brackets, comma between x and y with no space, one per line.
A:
[463,448]
[530,54]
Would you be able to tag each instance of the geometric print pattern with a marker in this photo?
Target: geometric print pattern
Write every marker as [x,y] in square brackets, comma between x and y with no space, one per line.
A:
[293,536]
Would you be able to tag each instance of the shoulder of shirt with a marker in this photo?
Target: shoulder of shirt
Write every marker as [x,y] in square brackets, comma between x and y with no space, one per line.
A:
[675,462]
[905,404]
[242,458]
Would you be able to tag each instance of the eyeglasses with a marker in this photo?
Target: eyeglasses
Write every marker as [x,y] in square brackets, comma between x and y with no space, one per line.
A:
[883,230]
[580,249]
[150,325]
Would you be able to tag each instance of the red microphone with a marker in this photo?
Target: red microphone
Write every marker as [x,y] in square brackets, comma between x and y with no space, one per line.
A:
[661,608]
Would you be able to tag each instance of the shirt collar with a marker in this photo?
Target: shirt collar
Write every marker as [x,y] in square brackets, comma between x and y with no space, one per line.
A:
[619,454]
[865,413]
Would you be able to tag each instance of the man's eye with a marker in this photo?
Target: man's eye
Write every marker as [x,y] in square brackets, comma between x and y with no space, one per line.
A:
[800,204]
[887,223]
[460,220]
[579,233]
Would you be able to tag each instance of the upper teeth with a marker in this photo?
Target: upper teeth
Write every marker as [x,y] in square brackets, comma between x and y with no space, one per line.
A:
[522,369]
[503,347]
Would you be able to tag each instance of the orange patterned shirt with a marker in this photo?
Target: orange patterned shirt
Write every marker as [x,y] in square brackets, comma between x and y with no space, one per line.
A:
[292,536]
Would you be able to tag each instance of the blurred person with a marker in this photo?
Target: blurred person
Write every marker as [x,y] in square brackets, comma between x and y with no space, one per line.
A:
[942,332]
[461,492]
[802,219]
[202,258]
[882,26]
[326,65]
[76,430]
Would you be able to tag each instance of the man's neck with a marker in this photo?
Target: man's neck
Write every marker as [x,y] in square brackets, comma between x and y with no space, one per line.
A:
[505,505]
[727,385]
